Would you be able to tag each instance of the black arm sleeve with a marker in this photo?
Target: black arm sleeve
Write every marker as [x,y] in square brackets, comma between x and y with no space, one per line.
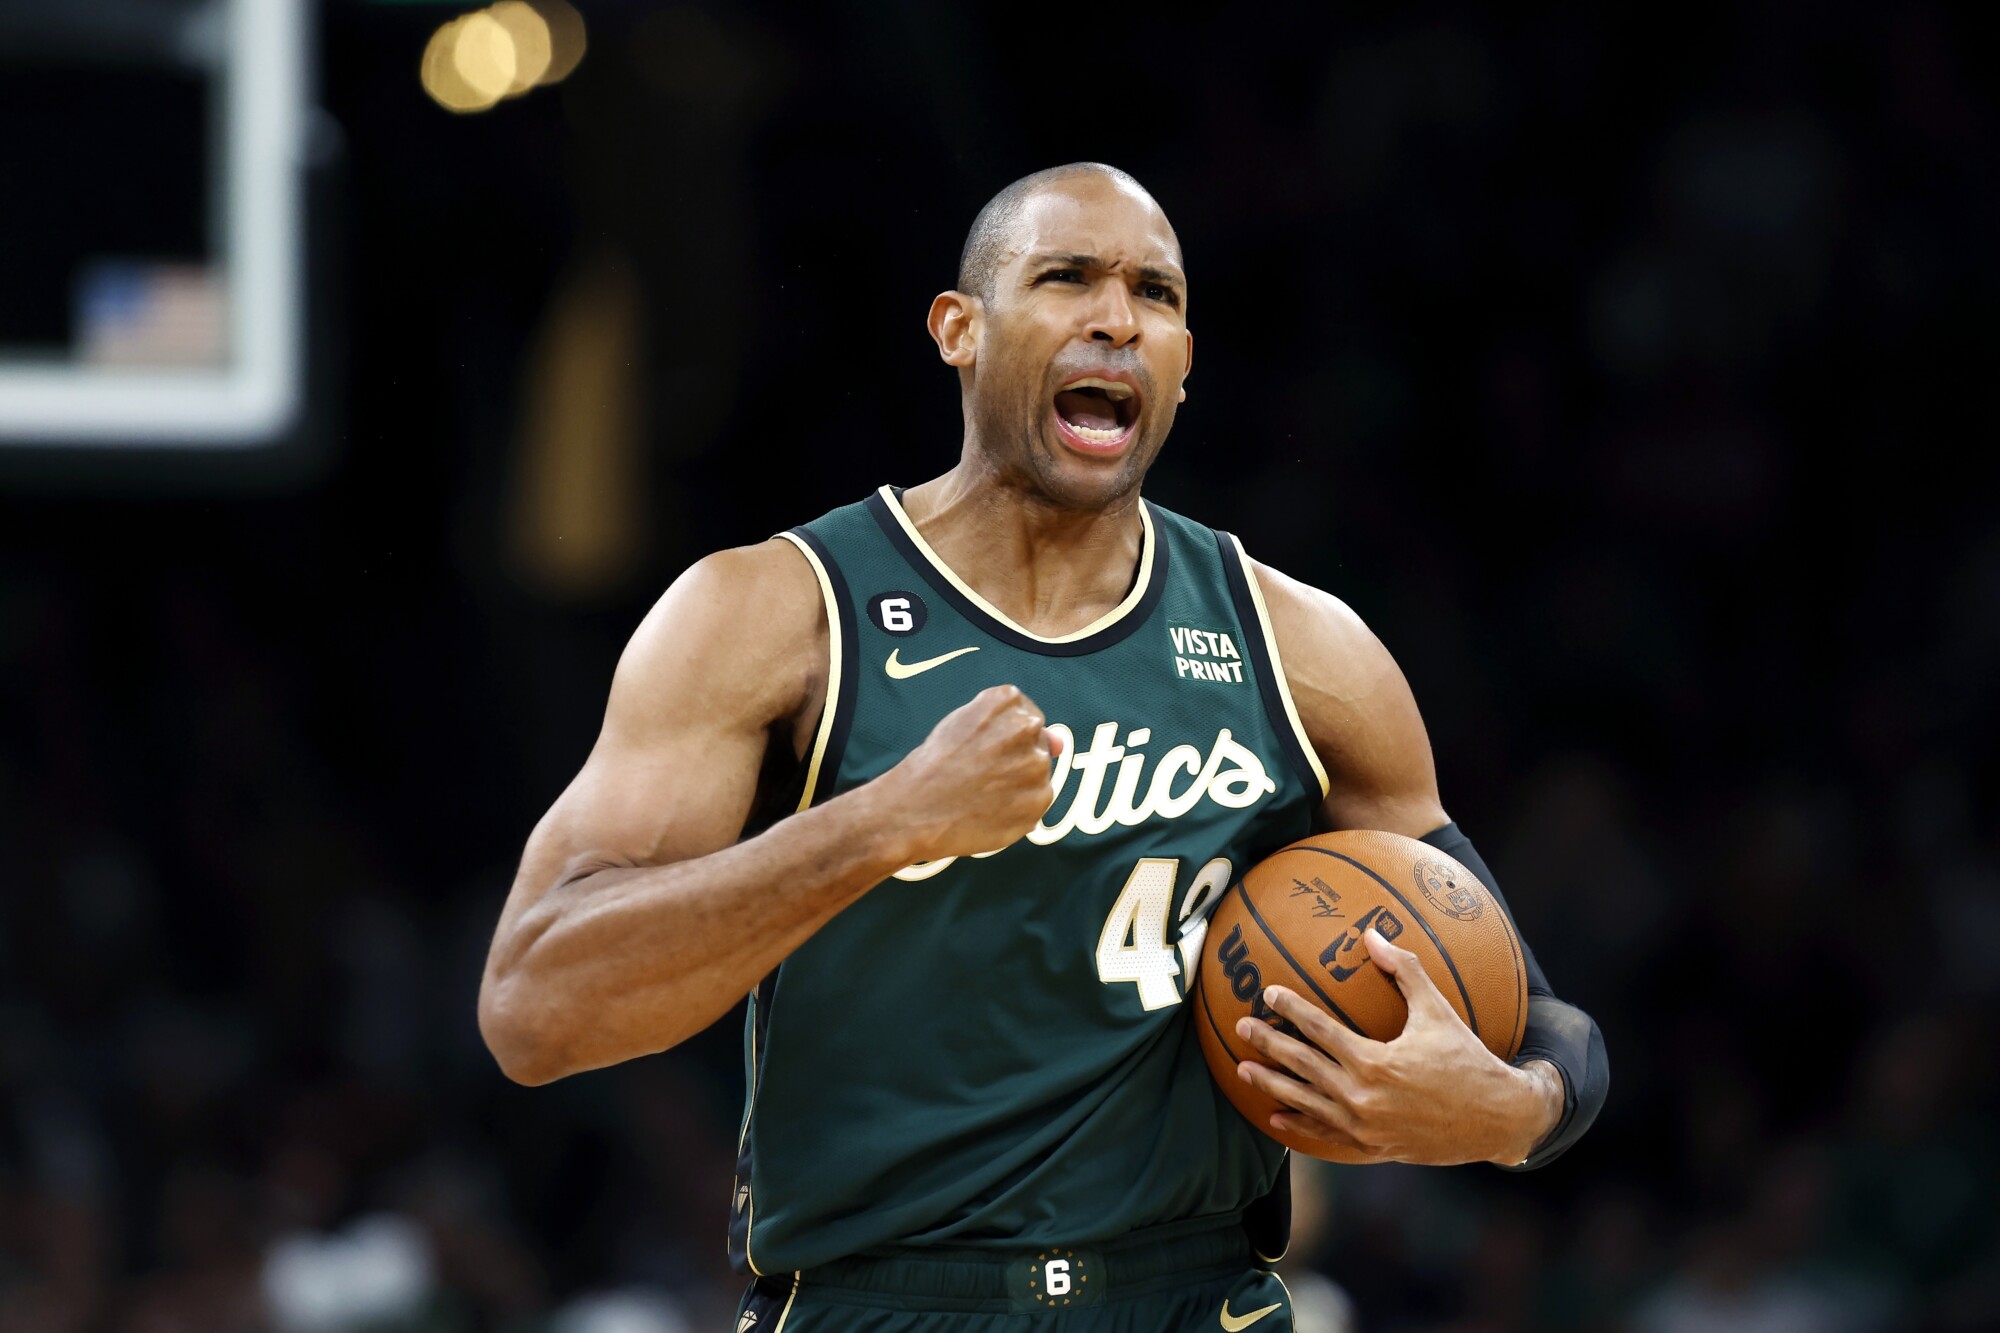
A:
[1560,1033]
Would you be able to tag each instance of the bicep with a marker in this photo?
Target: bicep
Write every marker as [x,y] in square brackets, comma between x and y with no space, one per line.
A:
[668,796]
[1357,711]
[701,692]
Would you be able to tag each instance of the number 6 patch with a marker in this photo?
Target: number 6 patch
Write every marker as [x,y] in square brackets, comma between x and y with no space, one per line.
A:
[1057,1277]
[897,612]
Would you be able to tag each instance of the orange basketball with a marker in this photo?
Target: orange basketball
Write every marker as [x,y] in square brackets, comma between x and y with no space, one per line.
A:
[1296,919]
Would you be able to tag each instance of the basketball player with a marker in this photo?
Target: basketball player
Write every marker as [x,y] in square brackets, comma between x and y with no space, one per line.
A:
[949,781]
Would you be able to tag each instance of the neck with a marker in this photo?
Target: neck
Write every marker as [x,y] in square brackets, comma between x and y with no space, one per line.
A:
[1050,569]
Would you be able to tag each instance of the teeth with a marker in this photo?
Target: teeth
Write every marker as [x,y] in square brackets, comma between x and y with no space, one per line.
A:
[1113,389]
[1095,436]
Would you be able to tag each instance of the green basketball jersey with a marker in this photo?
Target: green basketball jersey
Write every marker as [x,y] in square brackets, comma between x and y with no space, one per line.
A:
[998,1049]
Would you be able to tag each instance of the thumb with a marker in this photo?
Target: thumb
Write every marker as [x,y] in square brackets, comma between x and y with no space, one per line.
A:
[1055,740]
[1419,991]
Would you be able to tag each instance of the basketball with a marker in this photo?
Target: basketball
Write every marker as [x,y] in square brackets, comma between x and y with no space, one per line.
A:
[1296,919]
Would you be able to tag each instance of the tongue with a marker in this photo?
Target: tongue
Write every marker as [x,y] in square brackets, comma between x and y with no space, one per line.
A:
[1090,410]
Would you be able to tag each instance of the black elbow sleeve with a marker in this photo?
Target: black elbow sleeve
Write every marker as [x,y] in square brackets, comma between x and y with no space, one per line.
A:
[1560,1033]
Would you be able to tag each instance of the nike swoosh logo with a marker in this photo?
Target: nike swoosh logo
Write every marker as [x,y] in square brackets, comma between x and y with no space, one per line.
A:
[901,670]
[1235,1323]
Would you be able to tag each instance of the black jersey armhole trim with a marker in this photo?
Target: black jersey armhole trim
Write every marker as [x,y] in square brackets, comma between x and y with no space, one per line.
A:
[850,677]
[1118,632]
[1236,577]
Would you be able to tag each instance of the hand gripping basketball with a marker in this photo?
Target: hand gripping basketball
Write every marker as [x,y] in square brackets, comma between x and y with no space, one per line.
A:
[980,780]
[1434,1096]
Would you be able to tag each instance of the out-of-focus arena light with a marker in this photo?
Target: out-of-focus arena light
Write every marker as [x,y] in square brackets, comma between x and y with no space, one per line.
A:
[566,39]
[442,76]
[529,33]
[483,55]
[478,60]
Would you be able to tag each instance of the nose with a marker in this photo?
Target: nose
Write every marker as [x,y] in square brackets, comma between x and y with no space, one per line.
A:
[1113,320]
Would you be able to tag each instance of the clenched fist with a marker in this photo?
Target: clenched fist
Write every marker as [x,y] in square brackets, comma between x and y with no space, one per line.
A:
[980,780]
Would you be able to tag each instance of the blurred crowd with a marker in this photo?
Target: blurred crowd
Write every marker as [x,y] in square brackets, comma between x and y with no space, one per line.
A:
[1616,375]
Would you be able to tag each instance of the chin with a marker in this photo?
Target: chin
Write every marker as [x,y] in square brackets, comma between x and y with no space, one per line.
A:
[1072,482]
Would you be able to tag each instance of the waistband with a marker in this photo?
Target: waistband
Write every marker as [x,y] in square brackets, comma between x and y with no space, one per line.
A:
[1046,1277]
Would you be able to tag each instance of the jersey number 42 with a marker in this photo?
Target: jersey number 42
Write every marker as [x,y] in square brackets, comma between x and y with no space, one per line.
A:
[1133,946]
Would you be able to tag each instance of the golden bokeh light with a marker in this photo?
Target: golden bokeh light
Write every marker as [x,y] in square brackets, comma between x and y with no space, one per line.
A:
[484,55]
[529,33]
[566,39]
[477,60]
[441,77]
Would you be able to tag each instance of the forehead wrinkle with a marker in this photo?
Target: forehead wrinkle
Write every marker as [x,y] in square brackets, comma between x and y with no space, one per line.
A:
[1149,271]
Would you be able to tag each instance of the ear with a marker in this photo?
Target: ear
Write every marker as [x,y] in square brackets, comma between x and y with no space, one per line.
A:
[1187,368]
[954,324]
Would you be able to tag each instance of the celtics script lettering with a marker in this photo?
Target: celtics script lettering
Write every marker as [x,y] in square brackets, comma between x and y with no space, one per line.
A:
[1231,775]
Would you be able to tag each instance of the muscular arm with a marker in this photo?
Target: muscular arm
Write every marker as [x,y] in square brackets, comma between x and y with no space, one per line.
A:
[636,918]
[633,922]
[1358,712]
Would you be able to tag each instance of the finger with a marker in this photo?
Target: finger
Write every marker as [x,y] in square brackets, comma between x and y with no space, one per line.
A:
[1303,1060]
[1053,739]
[1299,1096]
[1297,1122]
[1424,998]
[1329,1034]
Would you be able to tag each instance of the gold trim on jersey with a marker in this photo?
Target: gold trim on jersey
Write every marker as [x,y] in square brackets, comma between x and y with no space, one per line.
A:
[833,668]
[1279,1257]
[743,1136]
[1278,667]
[834,665]
[1105,621]
[786,1313]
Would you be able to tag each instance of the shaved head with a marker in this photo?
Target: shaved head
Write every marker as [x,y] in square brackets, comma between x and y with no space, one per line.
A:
[1068,327]
[987,243]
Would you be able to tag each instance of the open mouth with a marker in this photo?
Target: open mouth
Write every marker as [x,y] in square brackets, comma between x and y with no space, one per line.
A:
[1097,413]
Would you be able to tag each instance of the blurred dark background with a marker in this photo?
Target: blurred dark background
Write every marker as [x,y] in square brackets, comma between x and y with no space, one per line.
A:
[1630,374]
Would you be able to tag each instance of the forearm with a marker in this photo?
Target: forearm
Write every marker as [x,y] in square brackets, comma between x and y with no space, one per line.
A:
[1544,1101]
[1559,1034]
[627,961]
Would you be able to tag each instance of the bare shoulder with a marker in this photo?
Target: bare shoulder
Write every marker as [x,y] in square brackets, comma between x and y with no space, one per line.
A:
[741,636]
[1327,648]
[1356,708]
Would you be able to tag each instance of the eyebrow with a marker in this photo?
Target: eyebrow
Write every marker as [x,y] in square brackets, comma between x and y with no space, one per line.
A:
[1149,273]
